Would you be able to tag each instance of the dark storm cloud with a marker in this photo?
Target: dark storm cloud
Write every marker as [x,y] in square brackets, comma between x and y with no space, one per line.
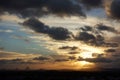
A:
[29,8]
[66,7]
[86,37]
[89,36]
[41,58]
[36,25]
[57,33]
[91,3]
[115,9]
[103,27]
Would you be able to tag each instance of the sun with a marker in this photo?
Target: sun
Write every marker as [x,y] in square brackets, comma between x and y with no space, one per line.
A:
[86,55]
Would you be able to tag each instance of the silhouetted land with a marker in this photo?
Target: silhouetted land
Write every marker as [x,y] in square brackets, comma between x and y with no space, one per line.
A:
[59,75]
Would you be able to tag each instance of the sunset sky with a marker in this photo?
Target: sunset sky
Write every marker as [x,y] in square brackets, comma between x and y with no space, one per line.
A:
[60,34]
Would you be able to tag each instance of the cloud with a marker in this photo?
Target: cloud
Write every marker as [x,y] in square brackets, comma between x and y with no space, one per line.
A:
[28,8]
[14,55]
[61,60]
[93,3]
[102,27]
[2,48]
[115,39]
[86,37]
[91,38]
[20,38]
[41,58]
[74,52]
[72,58]
[114,9]
[6,31]
[95,35]
[57,33]
[86,28]
[111,44]
[110,50]
[96,55]
[68,47]
[98,59]
[36,25]
[12,61]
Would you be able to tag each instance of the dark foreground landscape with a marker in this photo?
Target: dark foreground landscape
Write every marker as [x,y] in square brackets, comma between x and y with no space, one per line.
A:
[59,75]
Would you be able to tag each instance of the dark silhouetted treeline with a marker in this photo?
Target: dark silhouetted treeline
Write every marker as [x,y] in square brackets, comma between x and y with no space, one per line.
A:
[59,75]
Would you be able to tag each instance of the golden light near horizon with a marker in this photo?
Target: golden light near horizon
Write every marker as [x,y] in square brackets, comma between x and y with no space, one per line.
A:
[84,65]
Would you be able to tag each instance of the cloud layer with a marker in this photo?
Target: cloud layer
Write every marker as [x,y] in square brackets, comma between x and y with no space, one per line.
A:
[28,8]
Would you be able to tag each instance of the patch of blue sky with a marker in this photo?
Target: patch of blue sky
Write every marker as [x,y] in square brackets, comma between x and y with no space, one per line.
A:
[97,12]
[19,41]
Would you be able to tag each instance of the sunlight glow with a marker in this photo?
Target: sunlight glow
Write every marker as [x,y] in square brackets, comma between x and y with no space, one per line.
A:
[81,65]
[89,50]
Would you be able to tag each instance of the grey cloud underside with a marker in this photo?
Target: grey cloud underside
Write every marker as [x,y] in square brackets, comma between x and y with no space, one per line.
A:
[28,8]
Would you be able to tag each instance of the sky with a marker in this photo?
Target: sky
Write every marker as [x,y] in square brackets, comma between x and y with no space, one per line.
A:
[60,34]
